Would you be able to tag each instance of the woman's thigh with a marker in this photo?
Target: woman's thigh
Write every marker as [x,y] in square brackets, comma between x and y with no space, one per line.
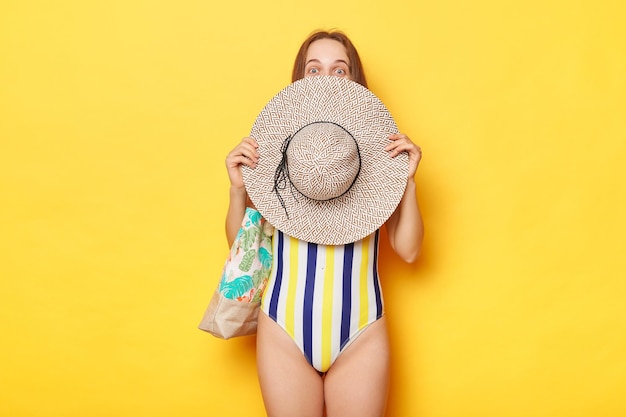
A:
[289,384]
[358,382]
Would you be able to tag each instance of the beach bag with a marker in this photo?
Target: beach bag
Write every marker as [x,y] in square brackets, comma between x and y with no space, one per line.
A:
[235,304]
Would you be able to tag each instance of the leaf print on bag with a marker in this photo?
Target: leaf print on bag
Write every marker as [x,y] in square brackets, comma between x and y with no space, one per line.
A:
[258,276]
[246,260]
[237,287]
[257,293]
[249,238]
[265,257]
[246,271]
[255,216]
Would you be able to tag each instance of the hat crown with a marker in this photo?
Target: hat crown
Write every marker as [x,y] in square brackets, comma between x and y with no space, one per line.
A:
[323,161]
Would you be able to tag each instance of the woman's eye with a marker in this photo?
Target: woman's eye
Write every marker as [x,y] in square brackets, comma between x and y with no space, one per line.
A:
[313,71]
[340,71]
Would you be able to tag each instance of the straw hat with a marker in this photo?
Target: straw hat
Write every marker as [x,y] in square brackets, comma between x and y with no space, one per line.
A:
[323,175]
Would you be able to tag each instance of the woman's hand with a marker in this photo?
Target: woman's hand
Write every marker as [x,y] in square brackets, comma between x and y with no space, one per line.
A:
[402,143]
[244,154]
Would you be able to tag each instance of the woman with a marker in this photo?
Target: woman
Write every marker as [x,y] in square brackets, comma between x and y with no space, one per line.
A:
[356,382]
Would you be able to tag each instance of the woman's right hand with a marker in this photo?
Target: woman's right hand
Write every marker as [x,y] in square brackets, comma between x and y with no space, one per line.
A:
[245,153]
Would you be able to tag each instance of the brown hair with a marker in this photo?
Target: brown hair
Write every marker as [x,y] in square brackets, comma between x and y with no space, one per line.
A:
[356,68]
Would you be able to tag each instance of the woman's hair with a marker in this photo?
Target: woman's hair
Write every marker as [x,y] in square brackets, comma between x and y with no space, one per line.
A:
[356,68]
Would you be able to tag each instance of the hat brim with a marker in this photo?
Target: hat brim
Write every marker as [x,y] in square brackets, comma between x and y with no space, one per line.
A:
[377,190]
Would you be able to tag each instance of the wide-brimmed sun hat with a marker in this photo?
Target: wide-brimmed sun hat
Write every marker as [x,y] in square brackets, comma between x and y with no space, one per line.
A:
[323,174]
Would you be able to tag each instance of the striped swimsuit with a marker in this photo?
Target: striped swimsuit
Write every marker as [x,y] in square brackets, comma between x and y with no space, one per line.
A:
[324,297]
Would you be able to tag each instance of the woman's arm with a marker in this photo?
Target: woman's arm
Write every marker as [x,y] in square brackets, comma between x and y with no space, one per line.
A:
[405,227]
[244,154]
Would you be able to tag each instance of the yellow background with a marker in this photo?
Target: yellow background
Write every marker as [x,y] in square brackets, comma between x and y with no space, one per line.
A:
[115,119]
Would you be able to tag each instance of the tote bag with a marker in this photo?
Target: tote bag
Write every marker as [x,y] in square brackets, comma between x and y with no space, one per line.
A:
[234,306]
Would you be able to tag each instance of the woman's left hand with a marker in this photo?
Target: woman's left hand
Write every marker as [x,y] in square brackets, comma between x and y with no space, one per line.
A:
[402,143]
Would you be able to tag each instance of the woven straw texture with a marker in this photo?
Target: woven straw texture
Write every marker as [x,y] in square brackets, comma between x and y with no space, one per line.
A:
[381,181]
[324,161]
